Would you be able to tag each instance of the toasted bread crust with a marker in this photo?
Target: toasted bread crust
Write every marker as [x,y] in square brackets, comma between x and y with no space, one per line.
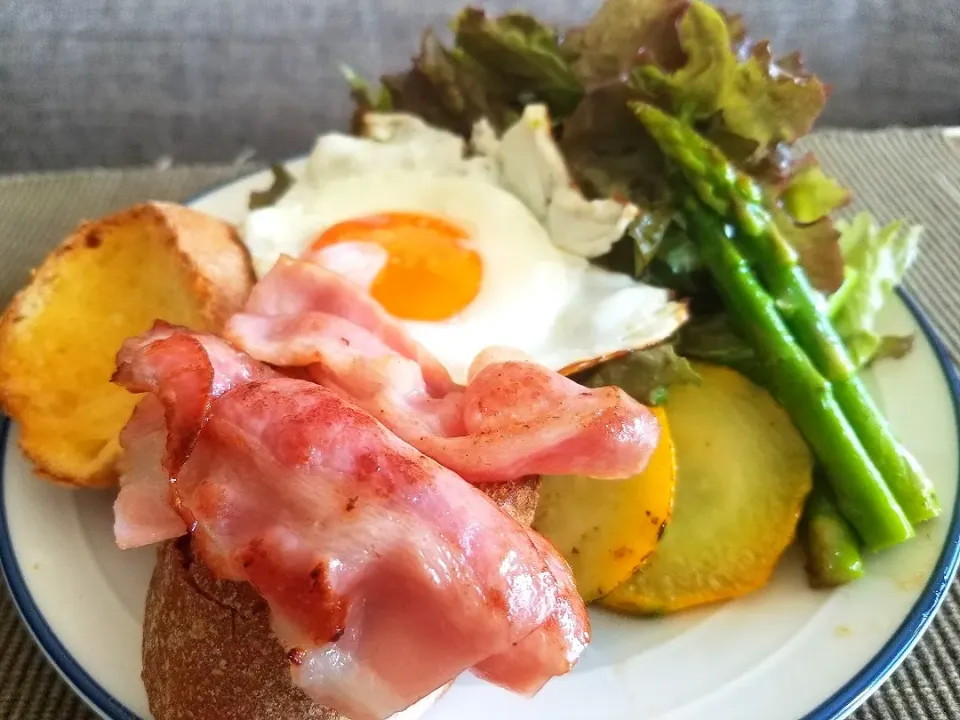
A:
[210,251]
[220,262]
[517,498]
[209,652]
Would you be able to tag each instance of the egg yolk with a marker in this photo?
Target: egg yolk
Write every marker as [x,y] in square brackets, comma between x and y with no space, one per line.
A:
[430,273]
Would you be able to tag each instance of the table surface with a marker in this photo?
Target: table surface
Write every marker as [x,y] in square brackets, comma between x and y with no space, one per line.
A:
[895,173]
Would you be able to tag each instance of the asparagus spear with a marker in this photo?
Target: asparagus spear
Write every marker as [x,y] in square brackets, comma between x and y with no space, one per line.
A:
[736,196]
[863,495]
[833,555]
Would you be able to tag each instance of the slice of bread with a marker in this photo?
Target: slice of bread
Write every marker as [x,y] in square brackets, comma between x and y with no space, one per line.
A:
[209,652]
[106,282]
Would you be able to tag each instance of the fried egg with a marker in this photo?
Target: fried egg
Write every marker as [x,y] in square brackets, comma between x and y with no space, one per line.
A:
[468,248]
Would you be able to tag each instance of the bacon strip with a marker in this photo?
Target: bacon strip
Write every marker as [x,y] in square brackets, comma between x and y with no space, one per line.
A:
[514,418]
[143,513]
[557,644]
[193,369]
[366,551]
[310,287]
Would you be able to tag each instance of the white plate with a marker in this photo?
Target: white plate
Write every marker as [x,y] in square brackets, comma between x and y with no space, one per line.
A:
[784,652]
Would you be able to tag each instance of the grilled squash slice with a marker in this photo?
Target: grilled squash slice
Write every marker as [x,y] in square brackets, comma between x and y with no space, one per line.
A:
[743,473]
[607,529]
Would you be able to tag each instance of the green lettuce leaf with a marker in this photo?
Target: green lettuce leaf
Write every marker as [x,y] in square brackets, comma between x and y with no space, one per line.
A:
[607,48]
[697,89]
[609,153]
[645,375]
[819,250]
[683,56]
[495,67]
[740,85]
[447,90]
[732,90]
[523,55]
[768,103]
[648,232]
[803,203]
[642,245]
[711,338]
[876,260]
[810,194]
[677,265]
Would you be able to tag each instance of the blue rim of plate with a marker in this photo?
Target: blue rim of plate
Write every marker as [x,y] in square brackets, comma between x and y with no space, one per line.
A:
[89,690]
[853,693]
[856,690]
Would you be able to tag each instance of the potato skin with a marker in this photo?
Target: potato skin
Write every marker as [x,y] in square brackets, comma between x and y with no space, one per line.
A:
[206,249]
[209,652]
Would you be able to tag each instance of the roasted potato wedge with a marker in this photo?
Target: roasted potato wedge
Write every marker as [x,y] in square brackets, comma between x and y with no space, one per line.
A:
[743,473]
[606,529]
[108,281]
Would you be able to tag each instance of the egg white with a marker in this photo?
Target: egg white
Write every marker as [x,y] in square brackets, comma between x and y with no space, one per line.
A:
[525,279]
[534,296]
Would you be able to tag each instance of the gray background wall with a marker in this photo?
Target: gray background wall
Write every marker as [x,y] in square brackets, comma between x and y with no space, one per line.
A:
[125,82]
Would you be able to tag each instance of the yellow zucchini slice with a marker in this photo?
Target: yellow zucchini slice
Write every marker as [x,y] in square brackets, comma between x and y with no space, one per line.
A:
[743,473]
[607,528]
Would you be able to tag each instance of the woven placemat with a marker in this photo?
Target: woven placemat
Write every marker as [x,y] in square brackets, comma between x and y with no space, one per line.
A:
[894,173]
